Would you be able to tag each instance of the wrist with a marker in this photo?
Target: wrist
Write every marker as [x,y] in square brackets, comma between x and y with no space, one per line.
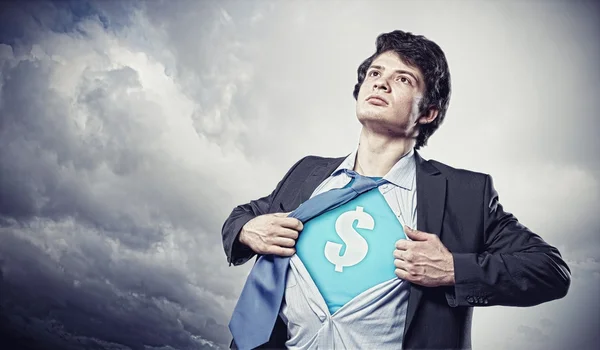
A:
[241,236]
[450,272]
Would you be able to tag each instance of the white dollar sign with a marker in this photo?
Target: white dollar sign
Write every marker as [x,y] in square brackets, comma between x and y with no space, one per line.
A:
[356,246]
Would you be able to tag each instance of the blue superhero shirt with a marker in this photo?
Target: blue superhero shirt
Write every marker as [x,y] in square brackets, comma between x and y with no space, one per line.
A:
[349,249]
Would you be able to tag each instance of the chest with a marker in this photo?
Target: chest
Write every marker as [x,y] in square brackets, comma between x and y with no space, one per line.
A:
[349,249]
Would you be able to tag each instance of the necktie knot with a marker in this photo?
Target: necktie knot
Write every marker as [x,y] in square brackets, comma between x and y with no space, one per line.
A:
[362,183]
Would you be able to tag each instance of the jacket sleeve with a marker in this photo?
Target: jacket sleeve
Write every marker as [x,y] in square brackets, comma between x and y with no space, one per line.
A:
[237,252]
[516,267]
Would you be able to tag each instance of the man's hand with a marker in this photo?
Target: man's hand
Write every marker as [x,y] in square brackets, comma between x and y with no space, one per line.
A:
[424,260]
[271,234]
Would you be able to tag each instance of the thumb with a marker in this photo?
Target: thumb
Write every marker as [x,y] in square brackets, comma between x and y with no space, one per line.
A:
[415,235]
[282,215]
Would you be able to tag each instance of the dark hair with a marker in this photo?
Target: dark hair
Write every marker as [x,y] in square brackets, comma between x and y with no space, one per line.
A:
[417,51]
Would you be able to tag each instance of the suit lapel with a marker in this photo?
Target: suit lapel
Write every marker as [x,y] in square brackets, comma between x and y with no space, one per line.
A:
[319,173]
[431,197]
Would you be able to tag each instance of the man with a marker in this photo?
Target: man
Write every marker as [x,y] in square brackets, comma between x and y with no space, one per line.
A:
[404,264]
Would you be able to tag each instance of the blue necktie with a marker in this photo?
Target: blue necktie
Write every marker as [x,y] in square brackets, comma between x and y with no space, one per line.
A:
[257,308]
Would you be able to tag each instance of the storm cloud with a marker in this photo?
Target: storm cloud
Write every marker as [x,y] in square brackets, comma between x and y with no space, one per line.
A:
[129,131]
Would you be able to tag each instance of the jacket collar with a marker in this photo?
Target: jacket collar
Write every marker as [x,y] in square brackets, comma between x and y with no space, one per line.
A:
[425,170]
[401,174]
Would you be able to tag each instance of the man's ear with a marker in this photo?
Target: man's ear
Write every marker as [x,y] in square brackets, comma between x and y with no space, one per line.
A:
[428,116]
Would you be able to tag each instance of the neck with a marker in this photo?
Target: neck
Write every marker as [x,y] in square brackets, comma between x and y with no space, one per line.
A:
[378,153]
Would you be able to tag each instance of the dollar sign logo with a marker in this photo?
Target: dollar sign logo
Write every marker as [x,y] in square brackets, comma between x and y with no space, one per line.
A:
[356,246]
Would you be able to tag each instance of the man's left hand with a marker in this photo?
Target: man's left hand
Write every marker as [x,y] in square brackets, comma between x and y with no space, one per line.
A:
[424,260]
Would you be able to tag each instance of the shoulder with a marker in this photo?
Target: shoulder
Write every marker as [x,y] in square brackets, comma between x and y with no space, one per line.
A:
[461,176]
[322,160]
[312,161]
[464,184]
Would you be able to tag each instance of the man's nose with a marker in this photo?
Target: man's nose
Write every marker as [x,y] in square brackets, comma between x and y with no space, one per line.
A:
[381,84]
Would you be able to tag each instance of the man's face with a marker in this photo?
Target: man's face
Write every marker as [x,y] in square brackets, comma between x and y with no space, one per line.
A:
[389,97]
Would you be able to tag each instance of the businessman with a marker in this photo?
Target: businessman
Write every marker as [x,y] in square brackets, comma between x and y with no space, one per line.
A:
[402,263]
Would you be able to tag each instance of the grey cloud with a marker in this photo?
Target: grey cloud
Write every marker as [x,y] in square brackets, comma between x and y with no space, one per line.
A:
[129,305]
[104,224]
[129,130]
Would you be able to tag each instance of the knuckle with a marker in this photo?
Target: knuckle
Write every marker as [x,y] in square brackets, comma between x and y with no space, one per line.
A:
[270,225]
[263,248]
[274,231]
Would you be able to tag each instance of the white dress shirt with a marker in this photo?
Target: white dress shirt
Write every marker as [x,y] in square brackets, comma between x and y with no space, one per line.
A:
[375,318]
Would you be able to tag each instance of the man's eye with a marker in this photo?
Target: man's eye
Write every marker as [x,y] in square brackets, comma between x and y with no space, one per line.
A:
[371,73]
[405,80]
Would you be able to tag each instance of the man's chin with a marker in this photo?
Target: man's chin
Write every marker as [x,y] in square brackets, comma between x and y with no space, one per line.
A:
[369,116]
[378,124]
[375,120]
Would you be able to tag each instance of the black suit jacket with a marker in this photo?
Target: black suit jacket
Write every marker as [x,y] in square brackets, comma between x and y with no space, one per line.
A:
[497,260]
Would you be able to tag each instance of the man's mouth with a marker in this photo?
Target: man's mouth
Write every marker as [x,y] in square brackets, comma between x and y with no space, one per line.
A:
[376,100]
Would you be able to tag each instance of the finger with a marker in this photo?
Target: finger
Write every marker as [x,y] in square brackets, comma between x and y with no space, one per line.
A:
[281,251]
[398,254]
[410,268]
[284,242]
[292,223]
[401,264]
[416,235]
[404,244]
[402,274]
[287,233]
[405,255]
[282,215]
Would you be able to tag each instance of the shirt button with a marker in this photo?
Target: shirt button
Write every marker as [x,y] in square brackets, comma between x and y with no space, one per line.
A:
[470,299]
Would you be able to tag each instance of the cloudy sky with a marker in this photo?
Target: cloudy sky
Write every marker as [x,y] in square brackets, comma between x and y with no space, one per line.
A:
[130,130]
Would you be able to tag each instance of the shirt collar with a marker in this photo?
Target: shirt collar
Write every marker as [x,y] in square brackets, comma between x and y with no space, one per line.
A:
[402,174]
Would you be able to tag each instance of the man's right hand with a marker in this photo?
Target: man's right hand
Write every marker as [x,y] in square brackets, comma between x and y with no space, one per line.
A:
[271,234]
